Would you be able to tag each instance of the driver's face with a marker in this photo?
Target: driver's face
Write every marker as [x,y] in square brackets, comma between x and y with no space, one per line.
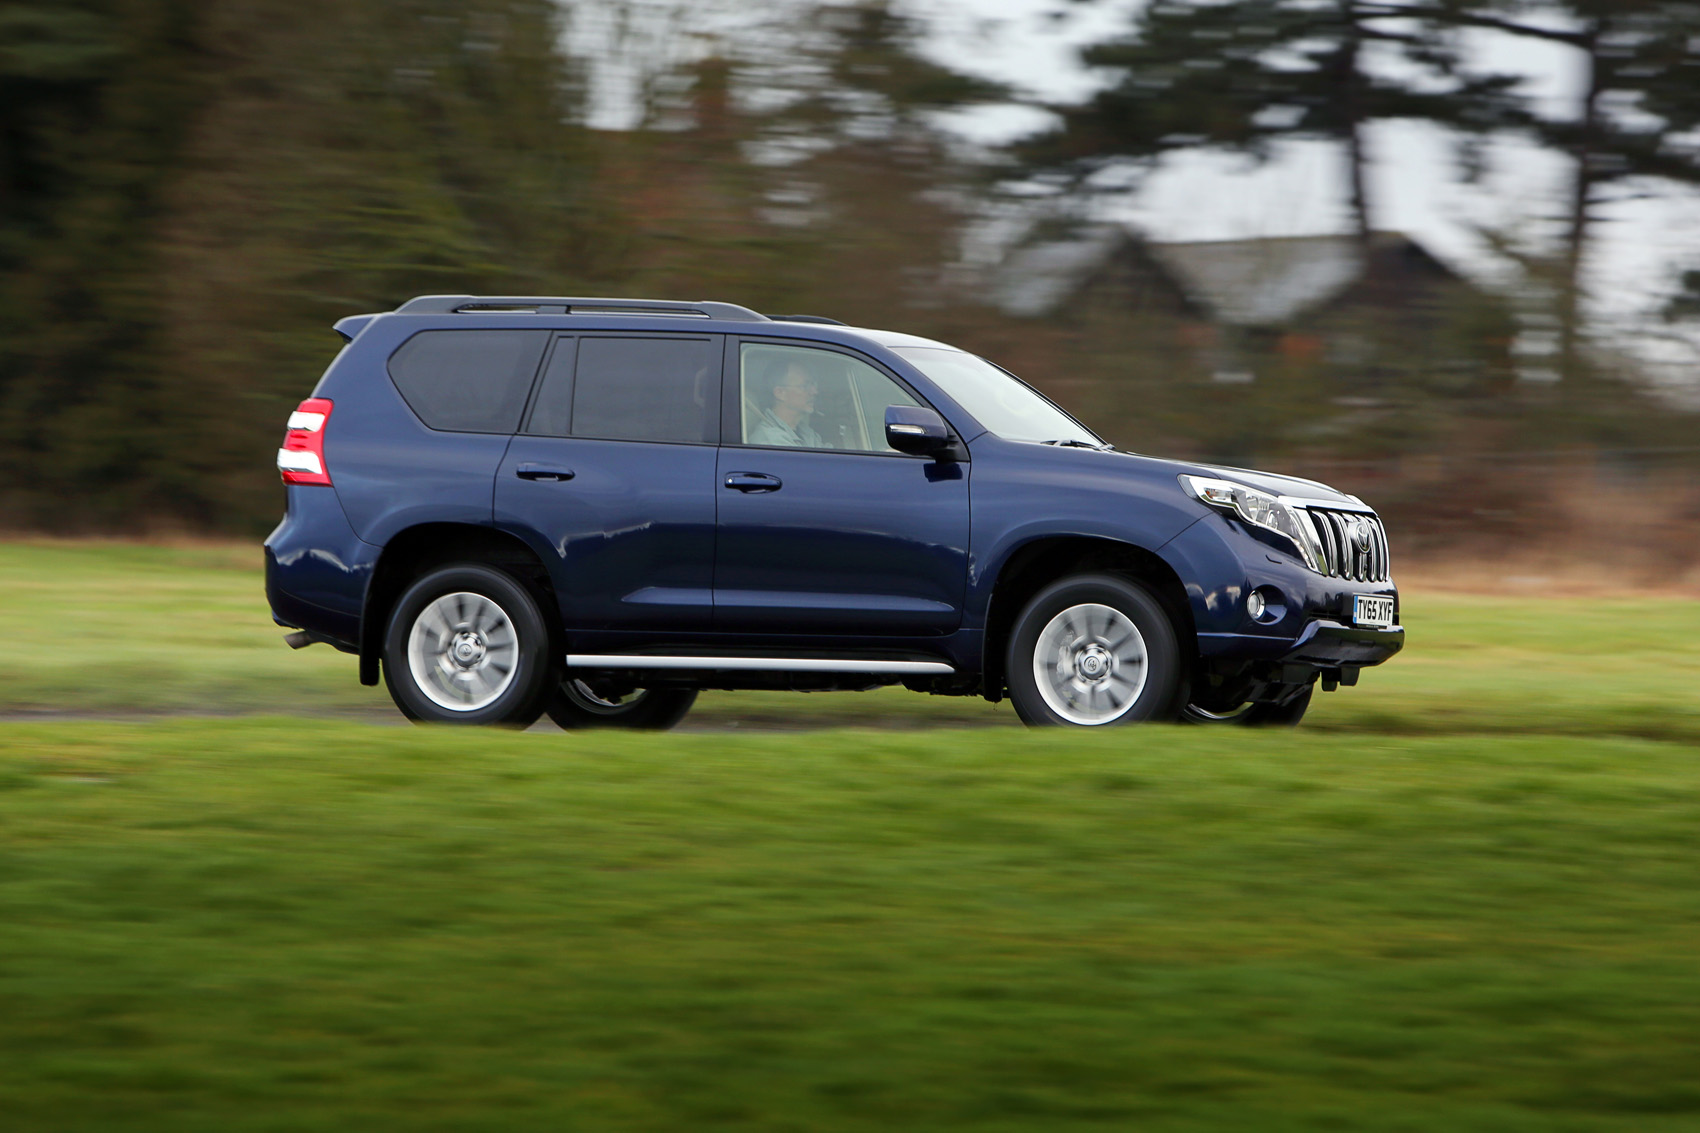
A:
[796,390]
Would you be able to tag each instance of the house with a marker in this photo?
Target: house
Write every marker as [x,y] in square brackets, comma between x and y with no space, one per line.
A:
[1385,309]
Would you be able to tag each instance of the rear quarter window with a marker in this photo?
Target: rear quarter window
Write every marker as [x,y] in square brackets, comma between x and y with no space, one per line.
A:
[468,381]
[661,388]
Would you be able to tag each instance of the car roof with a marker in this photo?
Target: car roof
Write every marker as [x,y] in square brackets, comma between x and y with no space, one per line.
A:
[625,312]
[891,339]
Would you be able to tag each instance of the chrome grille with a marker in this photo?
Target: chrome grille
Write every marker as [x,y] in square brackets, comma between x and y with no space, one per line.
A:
[1344,553]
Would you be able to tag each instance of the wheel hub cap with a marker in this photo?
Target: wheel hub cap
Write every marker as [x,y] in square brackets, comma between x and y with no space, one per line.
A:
[1090,664]
[1094,662]
[462,651]
[468,649]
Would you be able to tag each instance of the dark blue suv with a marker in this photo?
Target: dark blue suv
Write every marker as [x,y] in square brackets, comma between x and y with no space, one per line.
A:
[596,507]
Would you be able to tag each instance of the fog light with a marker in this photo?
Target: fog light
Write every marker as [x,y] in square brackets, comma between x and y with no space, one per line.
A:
[1254,605]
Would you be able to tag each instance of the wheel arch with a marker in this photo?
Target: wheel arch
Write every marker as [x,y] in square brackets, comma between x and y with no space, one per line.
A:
[426,546]
[1039,562]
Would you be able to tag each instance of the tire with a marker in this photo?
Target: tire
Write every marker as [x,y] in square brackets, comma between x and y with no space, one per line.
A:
[574,705]
[1255,715]
[448,638]
[1093,650]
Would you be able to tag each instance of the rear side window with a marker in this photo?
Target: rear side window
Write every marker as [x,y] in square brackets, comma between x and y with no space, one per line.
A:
[468,381]
[631,389]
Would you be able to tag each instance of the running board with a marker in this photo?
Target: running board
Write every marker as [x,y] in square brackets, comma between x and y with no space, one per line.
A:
[755,664]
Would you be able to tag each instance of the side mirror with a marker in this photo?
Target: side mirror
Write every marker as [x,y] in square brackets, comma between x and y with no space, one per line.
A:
[916,430]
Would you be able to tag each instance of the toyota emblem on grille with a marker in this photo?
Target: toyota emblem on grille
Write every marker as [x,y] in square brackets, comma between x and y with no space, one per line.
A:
[1361,535]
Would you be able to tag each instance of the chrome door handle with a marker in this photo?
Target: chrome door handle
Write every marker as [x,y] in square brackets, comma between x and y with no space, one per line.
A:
[547,473]
[753,482]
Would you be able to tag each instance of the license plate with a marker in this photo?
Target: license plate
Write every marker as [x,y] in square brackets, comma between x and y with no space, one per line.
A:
[1372,611]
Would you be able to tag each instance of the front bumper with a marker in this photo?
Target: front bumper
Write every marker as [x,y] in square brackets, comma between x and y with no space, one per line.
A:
[1235,668]
[1331,645]
[1322,644]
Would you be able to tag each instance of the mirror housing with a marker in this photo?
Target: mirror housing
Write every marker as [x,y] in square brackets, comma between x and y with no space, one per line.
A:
[917,430]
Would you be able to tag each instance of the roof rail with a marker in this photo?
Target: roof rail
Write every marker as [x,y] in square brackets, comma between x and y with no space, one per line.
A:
[822,319]
[561,305]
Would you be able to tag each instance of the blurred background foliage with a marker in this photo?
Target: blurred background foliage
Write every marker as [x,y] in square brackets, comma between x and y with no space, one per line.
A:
[191,191]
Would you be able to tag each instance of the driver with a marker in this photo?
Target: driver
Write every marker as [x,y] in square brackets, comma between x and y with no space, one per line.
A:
[785,421]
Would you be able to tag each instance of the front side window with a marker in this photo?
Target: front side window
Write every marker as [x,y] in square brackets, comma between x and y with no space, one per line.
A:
[797,397]
[630,389]
[468,381]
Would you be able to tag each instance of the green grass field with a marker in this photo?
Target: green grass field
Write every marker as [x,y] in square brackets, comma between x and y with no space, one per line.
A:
[163,629]
[1463,897]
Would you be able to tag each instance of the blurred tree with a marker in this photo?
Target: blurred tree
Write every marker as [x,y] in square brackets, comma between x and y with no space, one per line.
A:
[1246,74]
[800,166]
[95,96]
[1685,304]
[863,163]
[1638,108]
[1243,75]
[195,190]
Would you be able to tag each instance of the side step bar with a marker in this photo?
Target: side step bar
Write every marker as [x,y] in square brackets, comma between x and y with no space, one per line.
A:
[755,664]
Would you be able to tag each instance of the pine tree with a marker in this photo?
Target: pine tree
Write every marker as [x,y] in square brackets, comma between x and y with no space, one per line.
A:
[1636,117]
[1246,74]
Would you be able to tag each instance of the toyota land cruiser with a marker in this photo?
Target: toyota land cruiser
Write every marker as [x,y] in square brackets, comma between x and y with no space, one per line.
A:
[594,508]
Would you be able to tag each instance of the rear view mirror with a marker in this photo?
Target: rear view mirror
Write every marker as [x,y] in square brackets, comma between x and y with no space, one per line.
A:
[916,430]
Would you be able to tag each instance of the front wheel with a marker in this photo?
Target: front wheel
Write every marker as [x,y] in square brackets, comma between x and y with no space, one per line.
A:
[1093,650]
[467,644]
[576,703]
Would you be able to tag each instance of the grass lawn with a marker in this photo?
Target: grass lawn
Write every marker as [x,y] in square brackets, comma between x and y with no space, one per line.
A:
[151,629]
[1463,896]
[284,924]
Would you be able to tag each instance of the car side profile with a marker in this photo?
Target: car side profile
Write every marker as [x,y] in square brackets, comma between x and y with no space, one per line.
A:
[595,508]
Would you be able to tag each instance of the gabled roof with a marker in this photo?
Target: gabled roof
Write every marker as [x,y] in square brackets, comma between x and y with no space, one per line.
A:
[1258,283]
[1250,283]
[1037,278]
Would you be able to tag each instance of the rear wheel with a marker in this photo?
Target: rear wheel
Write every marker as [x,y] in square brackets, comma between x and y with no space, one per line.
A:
[578,703]
[1093,650]
[466,644]
[1255,714]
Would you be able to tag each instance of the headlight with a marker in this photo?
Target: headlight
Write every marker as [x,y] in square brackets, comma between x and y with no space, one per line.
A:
[1261,510]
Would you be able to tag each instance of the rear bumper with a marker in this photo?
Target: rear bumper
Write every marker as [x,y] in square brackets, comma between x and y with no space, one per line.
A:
[317,569]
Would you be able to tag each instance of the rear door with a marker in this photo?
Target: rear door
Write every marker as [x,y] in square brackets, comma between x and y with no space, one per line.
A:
[823,529]
[612,479]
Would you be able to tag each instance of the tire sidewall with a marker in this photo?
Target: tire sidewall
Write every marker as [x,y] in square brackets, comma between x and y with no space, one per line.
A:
[522,701]
[1156,701]
[1285,715]
[660,709]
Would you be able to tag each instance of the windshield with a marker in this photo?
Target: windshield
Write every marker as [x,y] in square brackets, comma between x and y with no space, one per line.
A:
[1000,402]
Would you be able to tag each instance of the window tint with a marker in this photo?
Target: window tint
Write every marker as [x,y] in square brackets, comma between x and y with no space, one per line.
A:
[802,398]
[552,412]
[468,381]
[631,389]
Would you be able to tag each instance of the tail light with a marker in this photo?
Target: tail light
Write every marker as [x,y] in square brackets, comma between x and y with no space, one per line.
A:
[301,460]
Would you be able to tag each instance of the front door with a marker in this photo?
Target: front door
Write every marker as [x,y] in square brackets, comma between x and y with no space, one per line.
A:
[823,529]
[612,479]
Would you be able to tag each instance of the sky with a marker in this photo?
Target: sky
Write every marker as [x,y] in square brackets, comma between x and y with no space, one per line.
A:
[1642,245]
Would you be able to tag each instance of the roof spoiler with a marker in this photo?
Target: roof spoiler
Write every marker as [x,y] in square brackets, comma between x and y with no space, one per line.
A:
[352,326]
